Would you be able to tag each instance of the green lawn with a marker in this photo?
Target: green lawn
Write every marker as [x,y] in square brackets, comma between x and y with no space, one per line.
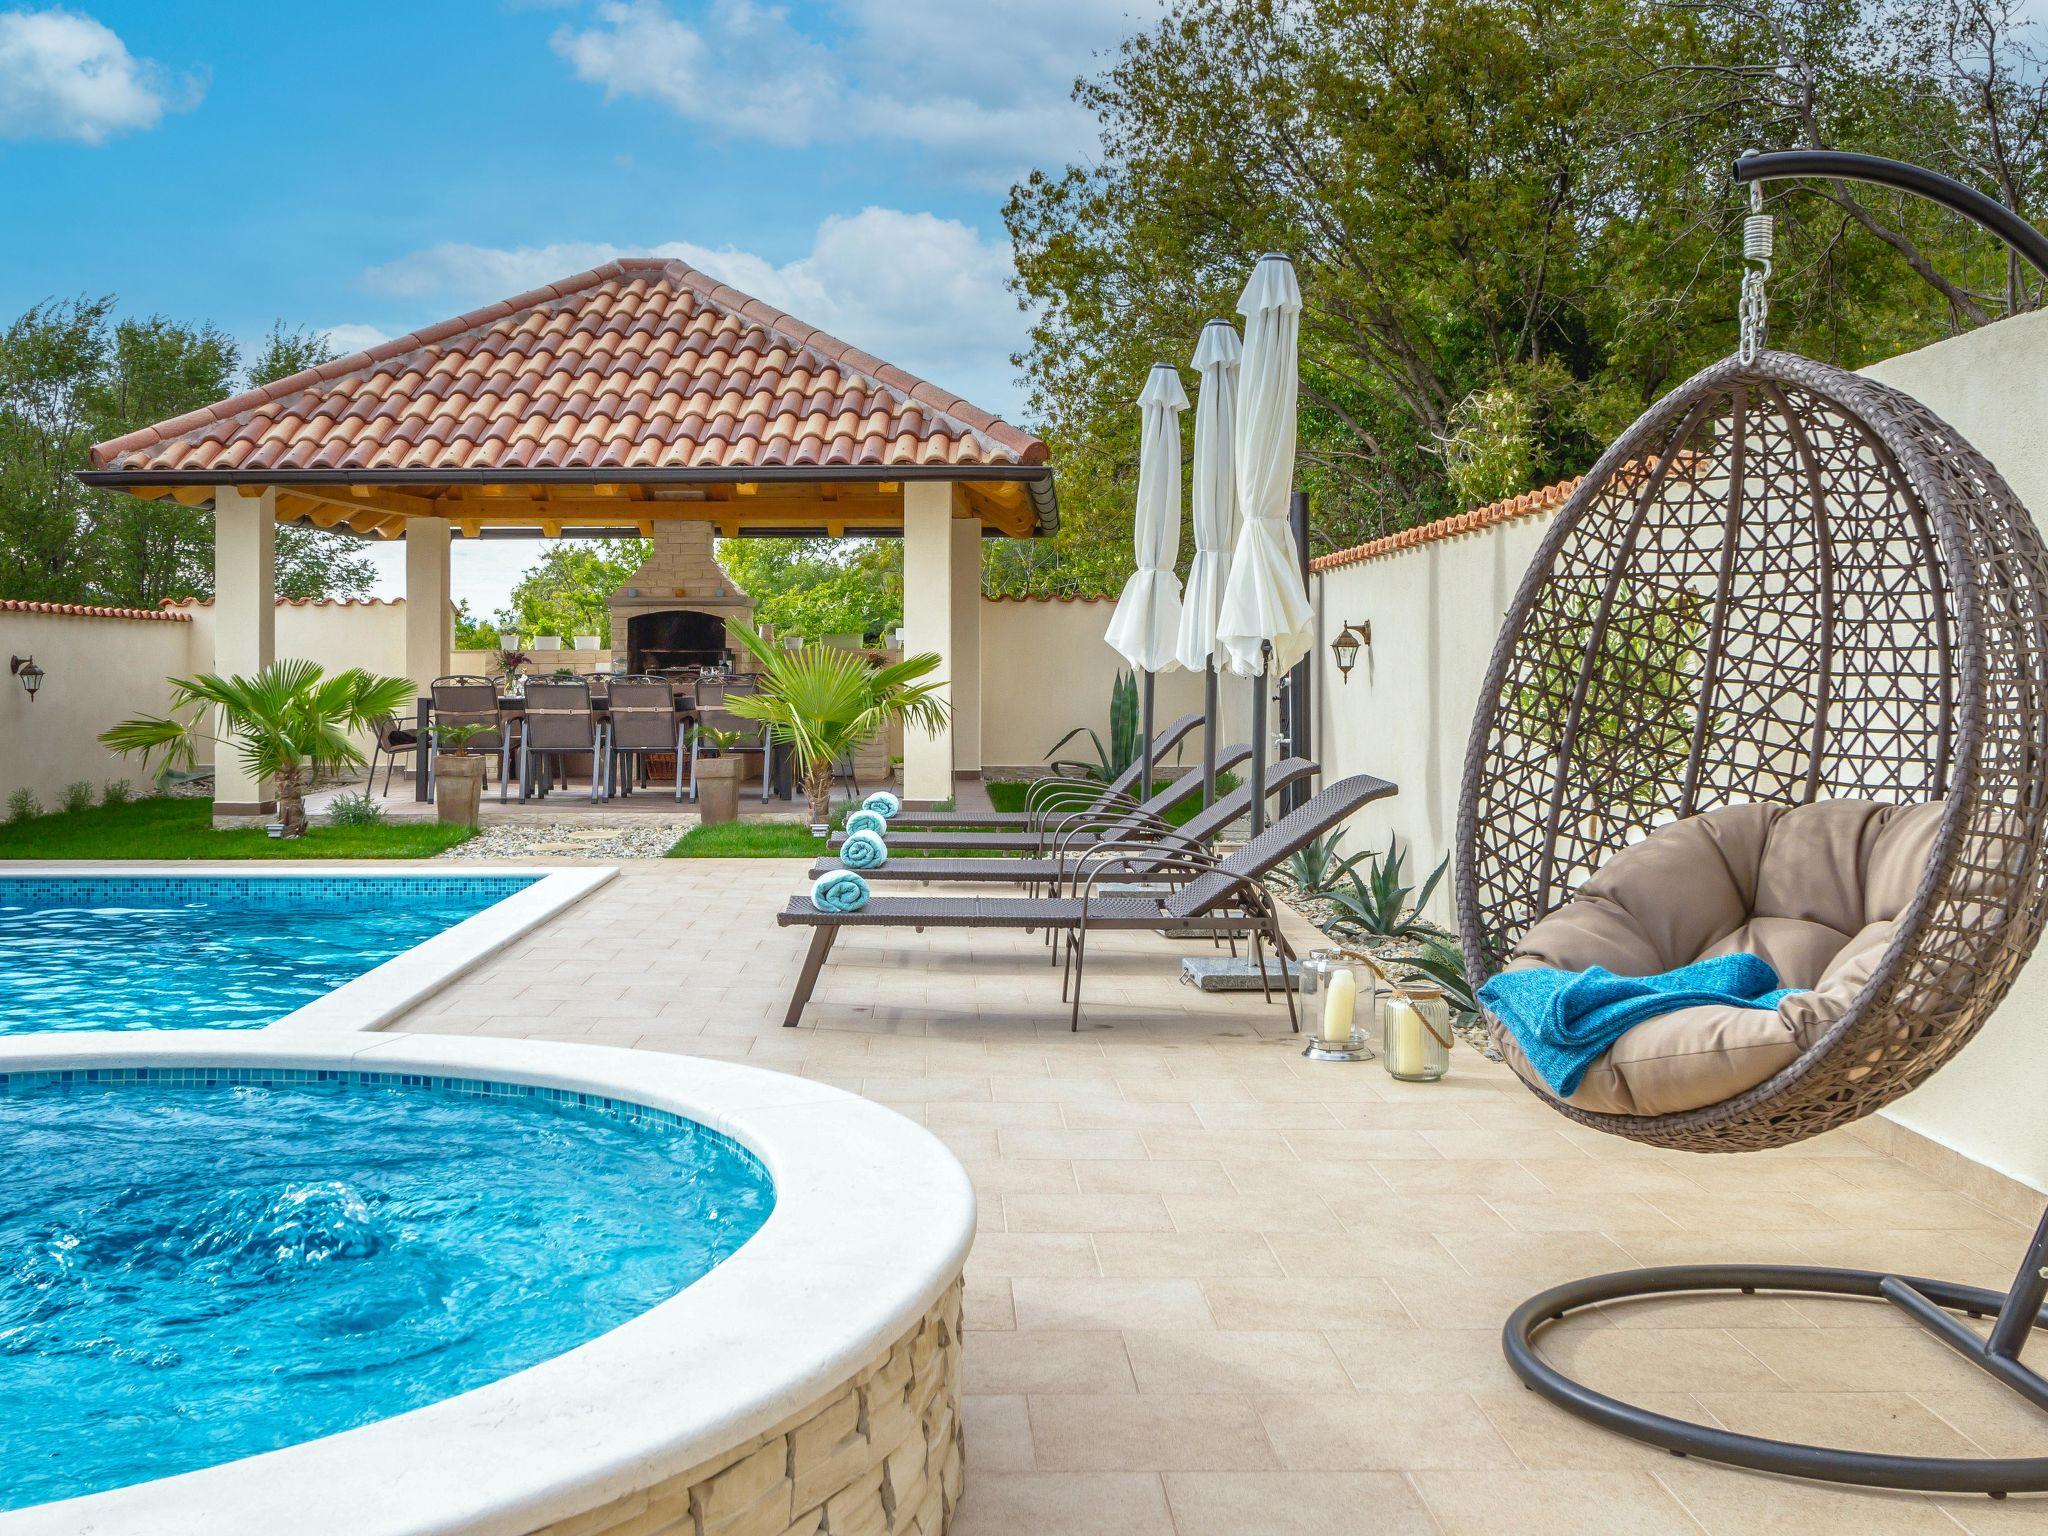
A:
[1008,795]
[162,828]
[749,840]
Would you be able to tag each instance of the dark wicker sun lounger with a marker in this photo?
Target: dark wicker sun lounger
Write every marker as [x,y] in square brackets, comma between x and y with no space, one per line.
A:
[1054,869]
[1098,813]
[1216,900]
[1176,732]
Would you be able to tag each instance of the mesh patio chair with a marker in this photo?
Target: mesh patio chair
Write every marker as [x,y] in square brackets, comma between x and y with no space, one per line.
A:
[1093,810]
[1165,742]
[1056,869]
[465,700]
[644,721]
[753,742]
[561,720]
[390,740]
[1215,899]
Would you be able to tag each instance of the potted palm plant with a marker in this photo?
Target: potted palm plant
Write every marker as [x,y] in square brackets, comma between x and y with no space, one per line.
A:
[288,723]
[459,773]
[718,774]
[823,703]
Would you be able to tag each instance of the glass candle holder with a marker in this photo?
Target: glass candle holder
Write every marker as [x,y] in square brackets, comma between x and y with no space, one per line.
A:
[1331,991]
[1415,1038]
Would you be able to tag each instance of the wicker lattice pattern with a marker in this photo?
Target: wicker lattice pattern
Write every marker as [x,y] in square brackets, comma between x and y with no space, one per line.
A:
[1784,583]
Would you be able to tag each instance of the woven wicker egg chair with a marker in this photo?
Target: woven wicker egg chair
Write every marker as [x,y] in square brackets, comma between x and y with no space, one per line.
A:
[1786,583]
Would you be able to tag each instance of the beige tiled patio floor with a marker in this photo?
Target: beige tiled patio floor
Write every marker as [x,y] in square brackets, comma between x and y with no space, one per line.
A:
[1220,1289]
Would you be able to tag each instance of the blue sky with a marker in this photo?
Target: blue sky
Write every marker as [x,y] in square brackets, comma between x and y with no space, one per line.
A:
[369,168]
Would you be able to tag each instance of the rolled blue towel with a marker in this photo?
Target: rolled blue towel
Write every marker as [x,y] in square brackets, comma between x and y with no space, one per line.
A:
[840,891]
[863,850]
[883,804]
[865,820]
[1564,1020]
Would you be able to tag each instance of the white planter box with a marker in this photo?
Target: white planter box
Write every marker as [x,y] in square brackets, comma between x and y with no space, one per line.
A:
[588,643]
[508,640]
[547,642]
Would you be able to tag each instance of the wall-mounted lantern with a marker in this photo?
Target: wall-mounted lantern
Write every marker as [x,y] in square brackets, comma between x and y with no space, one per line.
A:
[1350,639]
[31,675]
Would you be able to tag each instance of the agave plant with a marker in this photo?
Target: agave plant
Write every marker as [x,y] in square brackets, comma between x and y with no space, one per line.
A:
[825,702]
[1316,870]
[1124,744]
[1379,903]
[1444,963]
[287,724]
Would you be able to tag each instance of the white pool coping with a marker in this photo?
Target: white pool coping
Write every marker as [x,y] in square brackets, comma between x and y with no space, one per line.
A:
[407,979]
[872,1221]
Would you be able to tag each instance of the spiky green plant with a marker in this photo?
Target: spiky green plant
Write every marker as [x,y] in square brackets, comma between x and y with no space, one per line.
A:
[1125,742]
[1379,903]
[1444,963]
[1315,869]
[288,723]
[824,702]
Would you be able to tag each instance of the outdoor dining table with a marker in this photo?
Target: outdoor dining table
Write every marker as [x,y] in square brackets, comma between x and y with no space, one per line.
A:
[511,706]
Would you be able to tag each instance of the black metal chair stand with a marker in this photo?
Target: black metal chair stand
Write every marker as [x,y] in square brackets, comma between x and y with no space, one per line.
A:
[1930,1303]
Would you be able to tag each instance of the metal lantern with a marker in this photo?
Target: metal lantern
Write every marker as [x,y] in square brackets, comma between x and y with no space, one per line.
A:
[1332,989]
[1415,1033]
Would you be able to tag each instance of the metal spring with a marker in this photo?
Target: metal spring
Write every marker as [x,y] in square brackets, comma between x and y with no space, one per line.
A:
[1757,231]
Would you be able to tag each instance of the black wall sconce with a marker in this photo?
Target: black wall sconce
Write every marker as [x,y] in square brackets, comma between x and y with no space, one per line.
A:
[31,675]
[1350,640]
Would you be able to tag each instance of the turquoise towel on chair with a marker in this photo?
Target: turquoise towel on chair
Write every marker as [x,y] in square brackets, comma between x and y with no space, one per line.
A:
[882,803]
[865,820]
[1564,1020]
[863,850]
[840,891]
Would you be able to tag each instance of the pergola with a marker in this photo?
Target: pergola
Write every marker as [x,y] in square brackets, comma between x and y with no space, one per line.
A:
[639,392]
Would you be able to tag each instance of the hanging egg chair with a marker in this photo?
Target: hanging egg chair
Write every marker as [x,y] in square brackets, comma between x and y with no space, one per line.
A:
[1778,675]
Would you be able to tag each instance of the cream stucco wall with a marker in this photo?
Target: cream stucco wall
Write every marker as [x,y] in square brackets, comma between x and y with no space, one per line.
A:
[97,671]
[1992,386]
[1406,710]
[1045,670]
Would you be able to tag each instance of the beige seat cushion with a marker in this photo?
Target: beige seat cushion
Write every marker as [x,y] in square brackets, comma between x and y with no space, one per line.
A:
[1816,890]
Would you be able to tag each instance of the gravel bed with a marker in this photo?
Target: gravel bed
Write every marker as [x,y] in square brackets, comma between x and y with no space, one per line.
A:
[638,837]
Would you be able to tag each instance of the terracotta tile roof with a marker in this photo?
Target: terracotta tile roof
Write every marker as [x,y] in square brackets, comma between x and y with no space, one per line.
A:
[83,611]
[175,603]
[639,364]
[1528,504]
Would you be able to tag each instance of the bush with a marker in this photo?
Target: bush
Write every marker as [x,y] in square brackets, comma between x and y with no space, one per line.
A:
[114,792]
[23,805]
[358,810]
[78,796]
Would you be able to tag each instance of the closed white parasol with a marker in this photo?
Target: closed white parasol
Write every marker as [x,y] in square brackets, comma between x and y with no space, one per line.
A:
[1216,361]
[1264,600]
[1147,618]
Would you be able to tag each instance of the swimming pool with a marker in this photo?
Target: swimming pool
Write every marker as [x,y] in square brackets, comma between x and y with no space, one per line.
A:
[204,1264]
[148,951]
[820,1364]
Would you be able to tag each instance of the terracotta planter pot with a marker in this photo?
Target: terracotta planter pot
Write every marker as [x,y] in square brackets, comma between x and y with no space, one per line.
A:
[459,786]
[718,789]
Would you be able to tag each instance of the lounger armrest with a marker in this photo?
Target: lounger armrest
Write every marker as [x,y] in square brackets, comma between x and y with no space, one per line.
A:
[1080,802]
[1136,823]
[1190,861]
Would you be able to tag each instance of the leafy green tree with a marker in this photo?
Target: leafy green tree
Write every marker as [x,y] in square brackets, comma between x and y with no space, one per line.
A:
[471,632]
[565,592]
[71,374]
[818,587]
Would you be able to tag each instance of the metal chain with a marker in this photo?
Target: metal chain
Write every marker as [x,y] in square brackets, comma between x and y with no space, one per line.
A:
[1757,236]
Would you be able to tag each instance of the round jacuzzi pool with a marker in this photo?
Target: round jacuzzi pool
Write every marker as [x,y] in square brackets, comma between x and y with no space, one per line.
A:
[383,1283]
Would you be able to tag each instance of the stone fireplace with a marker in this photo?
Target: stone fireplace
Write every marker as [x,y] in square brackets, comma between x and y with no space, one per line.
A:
[672,611]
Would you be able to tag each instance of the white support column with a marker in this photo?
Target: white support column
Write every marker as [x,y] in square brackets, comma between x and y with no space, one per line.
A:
[928,626]
[428,609]
[966,626]
[244,628]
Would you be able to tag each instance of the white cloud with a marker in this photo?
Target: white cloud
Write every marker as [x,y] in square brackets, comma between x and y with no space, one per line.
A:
[985,90]
[925,293]
[66,76]
[347,339]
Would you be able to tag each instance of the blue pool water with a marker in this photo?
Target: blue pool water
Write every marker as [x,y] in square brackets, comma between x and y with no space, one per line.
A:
[197,1269]
[193,952]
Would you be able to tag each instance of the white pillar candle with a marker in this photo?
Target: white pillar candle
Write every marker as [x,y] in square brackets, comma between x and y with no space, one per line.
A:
[1405,1053]
[1338,1004]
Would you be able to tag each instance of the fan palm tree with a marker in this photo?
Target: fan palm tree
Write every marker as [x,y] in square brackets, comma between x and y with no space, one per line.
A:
[824,702]
[286,724]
